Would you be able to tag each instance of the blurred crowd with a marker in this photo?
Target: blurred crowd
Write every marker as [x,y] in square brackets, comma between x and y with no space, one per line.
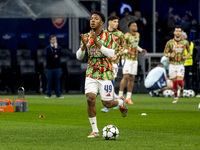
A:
[164,26]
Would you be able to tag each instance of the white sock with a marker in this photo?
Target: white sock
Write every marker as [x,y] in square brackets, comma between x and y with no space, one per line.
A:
[158,90]
[116,96]
[121,93]
[128,95]
[120,102]
[93,122]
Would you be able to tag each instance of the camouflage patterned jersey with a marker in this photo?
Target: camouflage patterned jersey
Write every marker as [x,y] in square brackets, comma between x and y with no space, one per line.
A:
[131,43]
[118,43]
[178,47]
[99,65]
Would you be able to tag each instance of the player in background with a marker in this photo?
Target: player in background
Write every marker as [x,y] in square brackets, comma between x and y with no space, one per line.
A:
[157,80]
[117,45]
[99,73]
[174,50]
[129,60]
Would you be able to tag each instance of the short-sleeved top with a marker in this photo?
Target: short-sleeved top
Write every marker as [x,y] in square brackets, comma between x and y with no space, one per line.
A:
[118,42]
[131,43]
[99,65]
[178,47]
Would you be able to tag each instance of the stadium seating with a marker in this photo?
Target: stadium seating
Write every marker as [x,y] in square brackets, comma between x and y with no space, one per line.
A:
[23,54]
[75,80]
[40,66]
[29,77]
[5,70]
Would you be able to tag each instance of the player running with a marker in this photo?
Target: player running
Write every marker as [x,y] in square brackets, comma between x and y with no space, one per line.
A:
[174,50]
[129,60]
[117,45]
[99,73]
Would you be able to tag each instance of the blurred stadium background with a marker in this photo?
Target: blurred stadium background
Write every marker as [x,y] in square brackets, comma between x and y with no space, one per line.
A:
[27,24]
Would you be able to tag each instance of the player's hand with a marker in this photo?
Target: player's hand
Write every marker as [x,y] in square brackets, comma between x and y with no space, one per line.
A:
[184,57]
[114,58]
[172,55]
[93,35]
[83,39]
[144,51]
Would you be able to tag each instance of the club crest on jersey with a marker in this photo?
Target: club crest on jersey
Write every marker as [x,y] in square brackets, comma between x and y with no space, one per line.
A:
[59,22]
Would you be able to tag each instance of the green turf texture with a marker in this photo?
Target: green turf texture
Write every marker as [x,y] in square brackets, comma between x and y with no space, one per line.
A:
[66,125]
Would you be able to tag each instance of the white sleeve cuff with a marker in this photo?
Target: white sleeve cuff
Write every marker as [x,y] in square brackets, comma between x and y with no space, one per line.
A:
[139,49]
[125,51]
[108,52]
[80,54]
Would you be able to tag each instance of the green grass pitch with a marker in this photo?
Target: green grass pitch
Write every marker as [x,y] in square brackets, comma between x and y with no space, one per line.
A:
[66,125]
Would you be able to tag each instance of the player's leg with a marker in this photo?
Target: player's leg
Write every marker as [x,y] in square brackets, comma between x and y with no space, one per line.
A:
[130,88]
[91,109]
[106,90]
[115,71]
[180,76]
[173,76]
[123,84]
[117,102]
[157,86]
[132,74]
[175,89]
[126,70]
[169,85]
[91,89]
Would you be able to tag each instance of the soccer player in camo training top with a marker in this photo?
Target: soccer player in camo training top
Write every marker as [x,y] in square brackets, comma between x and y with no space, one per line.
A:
[129,60]
[99,73]
[117,45]
[174,50]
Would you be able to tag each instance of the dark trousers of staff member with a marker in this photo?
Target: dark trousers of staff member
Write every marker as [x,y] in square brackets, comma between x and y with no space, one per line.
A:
[53,81]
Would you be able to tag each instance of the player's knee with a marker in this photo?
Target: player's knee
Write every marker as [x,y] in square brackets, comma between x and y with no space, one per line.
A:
[107,104]
[131,78]
[125,77]
[91,100]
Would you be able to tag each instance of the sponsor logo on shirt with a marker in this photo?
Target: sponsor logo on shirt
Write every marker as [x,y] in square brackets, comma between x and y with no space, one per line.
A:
[178,48]
[108,94]
[95,51]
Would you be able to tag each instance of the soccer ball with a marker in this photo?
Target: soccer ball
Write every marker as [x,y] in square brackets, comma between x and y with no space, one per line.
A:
[167,93]
[110,132]
[184,93]
[190,93]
